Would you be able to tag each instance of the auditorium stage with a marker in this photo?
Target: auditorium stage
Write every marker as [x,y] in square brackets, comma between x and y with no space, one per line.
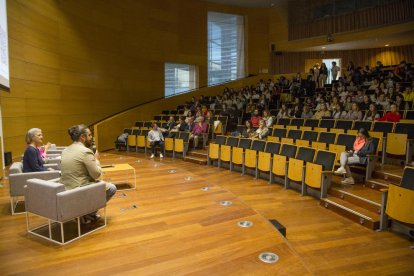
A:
[179,228]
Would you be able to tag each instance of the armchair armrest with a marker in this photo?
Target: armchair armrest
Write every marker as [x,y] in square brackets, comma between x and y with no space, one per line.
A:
[40,197]
[81,201]
[18,181]
[54,166]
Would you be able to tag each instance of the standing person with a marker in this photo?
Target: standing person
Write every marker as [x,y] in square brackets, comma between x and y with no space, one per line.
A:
[32,159]
[80,166]
[323,74]
[155,138]
[316,75]
[334,71]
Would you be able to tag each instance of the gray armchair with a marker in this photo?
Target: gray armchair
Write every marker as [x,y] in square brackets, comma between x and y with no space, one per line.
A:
[63,208]
[17,180]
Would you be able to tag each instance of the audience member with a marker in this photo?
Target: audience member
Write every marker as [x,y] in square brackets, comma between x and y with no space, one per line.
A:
[199,128]
[363,146]
[262,132]
[256,118]
[248,131]
[371,114]
[392,115]
[155,138]
[354,113]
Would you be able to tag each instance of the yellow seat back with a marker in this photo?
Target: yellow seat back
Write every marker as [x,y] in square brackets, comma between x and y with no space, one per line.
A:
[237,156]
[305,128]
[287,141]
[319,145]
[313,175]
[250,158]
[273,139]
[213,151]
[264,161]
[132,140]
[302,143]
[321,129]
[179,145]
[279,165]
[400,204]
[169,144]
[225,153]
[295,169]
[278,126]
[338,149]
[337,130]
[141,141]
[291,127]
[353,131]
[219,128]
[396,143]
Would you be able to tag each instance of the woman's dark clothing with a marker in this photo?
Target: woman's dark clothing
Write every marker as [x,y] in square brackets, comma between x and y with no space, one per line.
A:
[32,161]
[368,148]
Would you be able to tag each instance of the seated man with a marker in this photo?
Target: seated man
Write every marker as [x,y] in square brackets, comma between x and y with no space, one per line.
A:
[198,130]
[170,126]
[80,166]
[155,138]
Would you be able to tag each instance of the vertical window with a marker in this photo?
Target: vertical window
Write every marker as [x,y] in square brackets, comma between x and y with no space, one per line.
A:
[179,78]
[225,47]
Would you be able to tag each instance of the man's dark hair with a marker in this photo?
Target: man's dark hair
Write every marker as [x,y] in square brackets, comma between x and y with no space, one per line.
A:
[76,131]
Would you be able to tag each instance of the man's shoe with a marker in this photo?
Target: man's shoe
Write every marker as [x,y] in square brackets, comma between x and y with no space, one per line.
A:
[152,156]
[348,181]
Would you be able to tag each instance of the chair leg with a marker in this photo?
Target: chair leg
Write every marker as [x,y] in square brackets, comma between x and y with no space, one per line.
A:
[62,232]
[383,216]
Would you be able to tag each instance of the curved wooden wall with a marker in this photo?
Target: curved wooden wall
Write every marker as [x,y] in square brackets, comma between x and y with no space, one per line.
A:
[78,61]
[105,132]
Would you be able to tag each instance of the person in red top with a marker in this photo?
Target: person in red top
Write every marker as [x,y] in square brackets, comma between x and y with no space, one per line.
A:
[198,130]
[255,119]
[391,116]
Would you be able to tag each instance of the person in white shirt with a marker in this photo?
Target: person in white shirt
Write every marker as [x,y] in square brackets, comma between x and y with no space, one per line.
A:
[334,71]
[155,138]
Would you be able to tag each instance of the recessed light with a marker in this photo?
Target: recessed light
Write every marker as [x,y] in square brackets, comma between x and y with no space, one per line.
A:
[323,47]
[386,45]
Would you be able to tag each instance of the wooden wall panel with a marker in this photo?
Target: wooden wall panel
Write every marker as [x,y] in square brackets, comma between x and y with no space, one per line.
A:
[80,61]
[290,62]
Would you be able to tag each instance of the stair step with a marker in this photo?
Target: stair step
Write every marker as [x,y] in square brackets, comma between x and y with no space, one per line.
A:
[200,154]
[196,160]
[387,176]
[363,197]
[377,184]
[351,211]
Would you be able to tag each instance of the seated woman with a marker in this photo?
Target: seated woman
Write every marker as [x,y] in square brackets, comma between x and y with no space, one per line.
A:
[262,132]
[339,112]
[32,160]
[306,113]
[372,114]
[268,118]
[363,146]
[322,112]
[354,113]
[248,131]
[283,112]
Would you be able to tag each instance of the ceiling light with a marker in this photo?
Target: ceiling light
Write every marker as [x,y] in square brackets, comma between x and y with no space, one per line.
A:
[323,47]
[386,45]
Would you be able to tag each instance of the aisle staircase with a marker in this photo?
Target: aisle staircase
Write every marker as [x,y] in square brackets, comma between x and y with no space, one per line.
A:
[361,202]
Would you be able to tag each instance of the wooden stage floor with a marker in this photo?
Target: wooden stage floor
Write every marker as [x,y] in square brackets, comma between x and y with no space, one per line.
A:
[179,229]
